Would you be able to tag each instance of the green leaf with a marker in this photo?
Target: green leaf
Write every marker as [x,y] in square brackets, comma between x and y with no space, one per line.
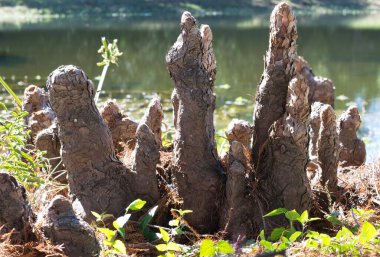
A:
[148,234]
[276,234]
[165,235]
[171,246]
[10,91]
[292,215]
[107,232]
[174,223]
[267,245]
[136,205]
[368,232]
[207,248]
[262,234]
[304,218]
[224,247]
[120,247]
[276,212]
[97,216]
[121,221]
[294,236]
[162,247]
[325,239]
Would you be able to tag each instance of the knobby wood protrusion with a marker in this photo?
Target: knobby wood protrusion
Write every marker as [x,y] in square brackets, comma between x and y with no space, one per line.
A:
[47,140]
[241,131]
[61,226]
[143,161]
[40,114]
[272,90]
[197,171]
[15,212]
[281,172]
[123,129]
[153,119]
[353,152]
[239,208]
[320,89]
[323,147]
[97,179]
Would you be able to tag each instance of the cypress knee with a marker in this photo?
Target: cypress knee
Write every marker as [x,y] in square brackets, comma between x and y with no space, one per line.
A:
[353,152]
[197,171]
[59,223]
[97,179]
[272,90]
[15,211]
[281,171]
[123,129]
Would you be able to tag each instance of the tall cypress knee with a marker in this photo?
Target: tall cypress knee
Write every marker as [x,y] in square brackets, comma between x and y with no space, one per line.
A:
[272,90]
[281,172]
[197,172]
[97,179]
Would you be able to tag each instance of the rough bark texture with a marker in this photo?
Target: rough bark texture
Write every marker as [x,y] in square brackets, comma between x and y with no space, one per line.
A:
[314,127]
[15,212]
[197,172]
[153,119]
[59,224]
[323,147]
[321,89]
[241,131]
[281,174]
[353,152]
[97,179]
[271,93]
[47,140]
[143,161]
[122,128]
[237,215]
[36,103]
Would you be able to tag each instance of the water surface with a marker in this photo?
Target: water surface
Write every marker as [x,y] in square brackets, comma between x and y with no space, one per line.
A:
[350,57]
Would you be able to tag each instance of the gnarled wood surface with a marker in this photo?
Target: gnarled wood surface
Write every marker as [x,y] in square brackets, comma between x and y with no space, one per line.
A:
[197,172]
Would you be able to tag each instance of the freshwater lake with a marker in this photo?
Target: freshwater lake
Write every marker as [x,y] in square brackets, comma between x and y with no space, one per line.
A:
[349,56]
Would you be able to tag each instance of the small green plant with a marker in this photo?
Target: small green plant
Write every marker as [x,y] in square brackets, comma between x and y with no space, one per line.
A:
[116,246]
[169,247]
[281,238]
[16,157]
[209,248]
[110,54]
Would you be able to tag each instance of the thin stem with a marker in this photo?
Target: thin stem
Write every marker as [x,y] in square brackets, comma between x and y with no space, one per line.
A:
[101,81]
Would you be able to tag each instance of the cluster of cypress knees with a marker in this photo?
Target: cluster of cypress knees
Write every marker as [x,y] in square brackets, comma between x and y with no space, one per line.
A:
[295,147]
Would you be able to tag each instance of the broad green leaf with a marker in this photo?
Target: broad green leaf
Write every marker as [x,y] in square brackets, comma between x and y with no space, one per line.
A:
[207,248]
[162,247]
[267,245]
[165,235]
[276,212]
[121,221]
[135,205]
[276,234]
[292,215]
[171,246]
[224,247]
[325,239]
[368,232]
[304,218]
[107,232]
[120,247]
[294,236]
